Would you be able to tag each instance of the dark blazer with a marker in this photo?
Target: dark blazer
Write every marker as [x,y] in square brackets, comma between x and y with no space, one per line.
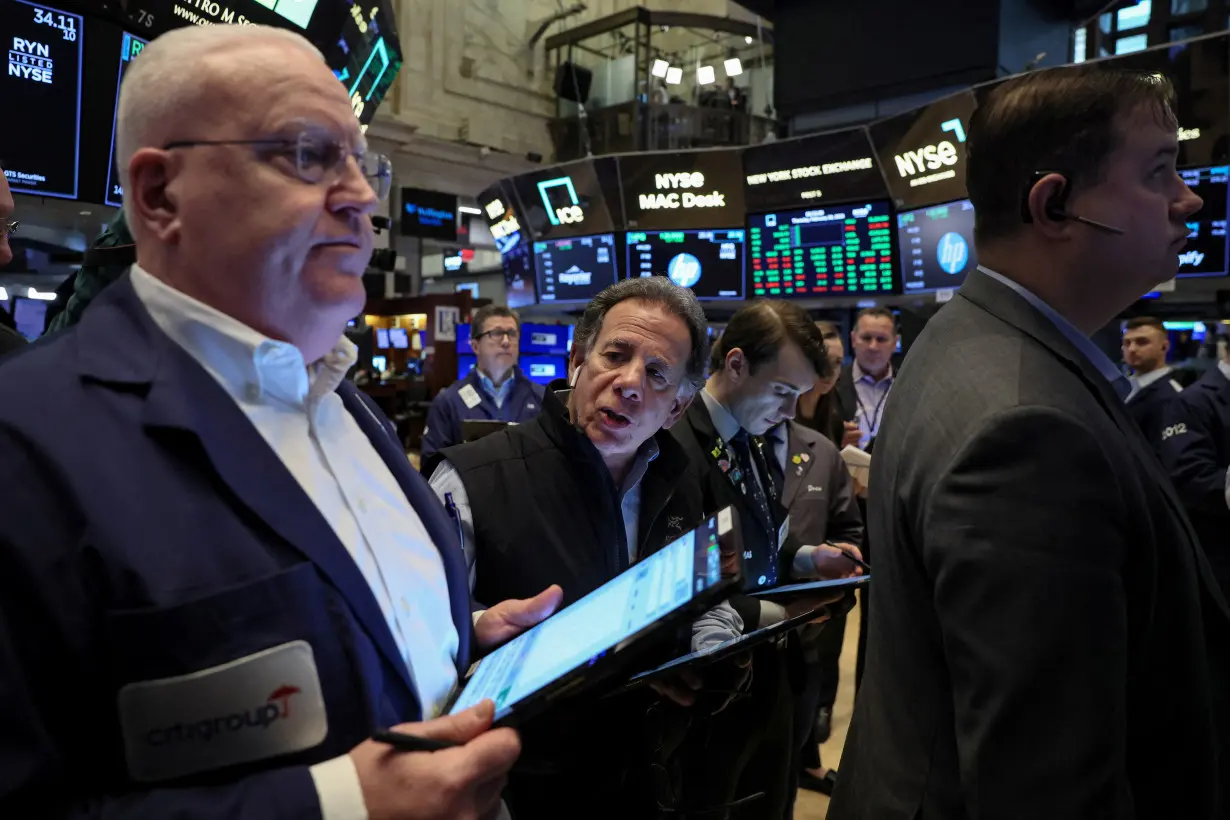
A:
[149,532]
[1043,618]
[1148,406]
[10,339]
[847,397]
[1193,441]
[695,431]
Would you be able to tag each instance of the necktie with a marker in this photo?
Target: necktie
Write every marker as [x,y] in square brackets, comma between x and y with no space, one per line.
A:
[774,465]
[754,479]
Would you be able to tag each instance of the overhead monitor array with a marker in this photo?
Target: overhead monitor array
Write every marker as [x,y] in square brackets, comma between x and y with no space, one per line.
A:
[861,213]
[56,59]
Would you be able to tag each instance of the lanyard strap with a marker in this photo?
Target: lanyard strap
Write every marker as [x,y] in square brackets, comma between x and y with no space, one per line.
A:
[873,423]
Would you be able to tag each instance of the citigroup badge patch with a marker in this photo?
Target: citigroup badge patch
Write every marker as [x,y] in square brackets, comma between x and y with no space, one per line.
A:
[260,706]
[684,270]
[952,252]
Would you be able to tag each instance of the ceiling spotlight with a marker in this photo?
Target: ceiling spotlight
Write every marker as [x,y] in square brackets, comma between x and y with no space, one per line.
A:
[466,209]
[705,75]
[748,40]
[674,76]
[733,67]
[4,295]
[660,67]
[45,296]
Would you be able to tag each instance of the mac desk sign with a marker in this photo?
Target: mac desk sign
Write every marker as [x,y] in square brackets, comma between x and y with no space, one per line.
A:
[681,191]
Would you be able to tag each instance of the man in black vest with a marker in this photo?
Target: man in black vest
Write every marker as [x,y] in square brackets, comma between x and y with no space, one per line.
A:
[575,497]
[769,354]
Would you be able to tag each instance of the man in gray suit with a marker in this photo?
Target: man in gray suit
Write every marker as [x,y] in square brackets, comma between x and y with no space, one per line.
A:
[1047,641]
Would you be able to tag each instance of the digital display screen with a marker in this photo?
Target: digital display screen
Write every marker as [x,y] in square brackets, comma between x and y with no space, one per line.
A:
[842,250]
[922,152]
[708,262]
[1200,70]
[519,277]
[157,16]
[681,191]
[42,89]
[543,369]
[575,270]
[567,200]
[130,48]
[1205,252]
[937,246]
[358,38]
[382,338]
[812,171]
[429,214]
[399,338]
[545,339]
[503,218]
[597,623]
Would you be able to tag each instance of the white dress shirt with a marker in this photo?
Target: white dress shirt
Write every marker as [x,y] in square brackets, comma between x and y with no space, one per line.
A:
[300,416]
[1139,383]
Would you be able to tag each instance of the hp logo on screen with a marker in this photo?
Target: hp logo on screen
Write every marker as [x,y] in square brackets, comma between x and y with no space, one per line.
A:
[684,270]
[952,252]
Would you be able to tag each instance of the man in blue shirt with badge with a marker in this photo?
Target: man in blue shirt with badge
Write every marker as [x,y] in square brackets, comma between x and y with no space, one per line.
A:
[496,390]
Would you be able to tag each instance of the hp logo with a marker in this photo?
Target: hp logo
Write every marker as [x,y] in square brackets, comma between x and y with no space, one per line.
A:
[952,252]
[684,270]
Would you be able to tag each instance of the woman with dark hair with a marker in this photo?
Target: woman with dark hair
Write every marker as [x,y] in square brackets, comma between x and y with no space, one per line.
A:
[818,407]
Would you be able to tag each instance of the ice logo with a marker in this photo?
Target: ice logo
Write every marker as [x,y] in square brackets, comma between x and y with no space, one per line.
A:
[952,252]
[684,270]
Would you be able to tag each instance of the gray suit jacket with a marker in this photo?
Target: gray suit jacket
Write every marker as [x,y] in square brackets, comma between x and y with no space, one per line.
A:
[1046,638]
[818,491]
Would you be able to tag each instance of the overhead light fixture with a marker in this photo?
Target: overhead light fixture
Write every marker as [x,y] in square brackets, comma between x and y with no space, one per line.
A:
[733,67]
[660,67]
[674,76]
[466,209]
[38,294]
[4,295]
[748,39]
[705,75]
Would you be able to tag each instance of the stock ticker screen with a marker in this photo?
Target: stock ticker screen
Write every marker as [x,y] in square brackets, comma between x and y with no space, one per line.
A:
[937,246]
[812,171]
[575,269]
[519,276]
[843,250]
[708,262]
[43,81]
[1205,253]
[131,46]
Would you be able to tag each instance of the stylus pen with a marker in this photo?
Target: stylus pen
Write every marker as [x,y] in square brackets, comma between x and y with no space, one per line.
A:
[411,743]
[850,555]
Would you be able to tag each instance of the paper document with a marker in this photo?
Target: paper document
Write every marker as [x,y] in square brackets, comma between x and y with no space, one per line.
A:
[858,462]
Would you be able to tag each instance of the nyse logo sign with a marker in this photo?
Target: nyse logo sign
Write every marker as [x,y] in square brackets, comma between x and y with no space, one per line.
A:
[937,158]
[673,199]
[569,214]
[30,61]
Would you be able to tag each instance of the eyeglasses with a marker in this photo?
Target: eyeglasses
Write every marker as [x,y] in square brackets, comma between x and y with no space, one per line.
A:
[501,335]
[9,227]
[316,160]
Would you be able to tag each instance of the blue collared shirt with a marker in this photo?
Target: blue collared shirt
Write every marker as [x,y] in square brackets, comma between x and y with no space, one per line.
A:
[1082,343]
[500,394]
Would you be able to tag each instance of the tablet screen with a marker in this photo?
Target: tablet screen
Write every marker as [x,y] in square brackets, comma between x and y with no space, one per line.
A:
[613,613]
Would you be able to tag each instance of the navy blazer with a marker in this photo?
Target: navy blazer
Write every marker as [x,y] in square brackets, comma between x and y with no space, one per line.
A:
[149,532]
[1148,406]
[448,411]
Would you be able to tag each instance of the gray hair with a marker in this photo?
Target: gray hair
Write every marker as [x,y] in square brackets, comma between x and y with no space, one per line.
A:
[163,87]
[657,290]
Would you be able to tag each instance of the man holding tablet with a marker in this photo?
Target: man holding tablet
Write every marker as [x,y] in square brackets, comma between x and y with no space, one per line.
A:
[593,486]
[770,354]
